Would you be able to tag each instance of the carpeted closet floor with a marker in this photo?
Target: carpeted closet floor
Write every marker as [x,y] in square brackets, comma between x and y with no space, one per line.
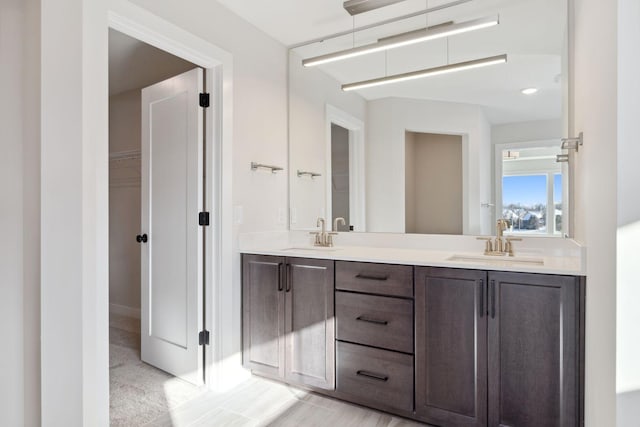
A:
[139,393]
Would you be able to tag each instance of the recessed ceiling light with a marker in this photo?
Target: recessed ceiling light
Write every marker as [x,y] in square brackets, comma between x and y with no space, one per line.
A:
[529,90]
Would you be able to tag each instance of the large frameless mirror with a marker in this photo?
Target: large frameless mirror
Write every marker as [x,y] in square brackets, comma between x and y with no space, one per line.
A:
[460,139]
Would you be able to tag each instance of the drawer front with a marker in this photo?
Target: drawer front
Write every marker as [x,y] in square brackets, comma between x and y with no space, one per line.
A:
[383,279]
[373,320]
[375,377]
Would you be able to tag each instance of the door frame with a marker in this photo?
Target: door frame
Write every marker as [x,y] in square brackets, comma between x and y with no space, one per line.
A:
[218,63]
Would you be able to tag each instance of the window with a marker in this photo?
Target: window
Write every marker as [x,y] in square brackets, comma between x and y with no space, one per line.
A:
[531,191]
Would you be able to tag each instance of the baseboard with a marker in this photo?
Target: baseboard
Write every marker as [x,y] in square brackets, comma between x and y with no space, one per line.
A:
[123,310]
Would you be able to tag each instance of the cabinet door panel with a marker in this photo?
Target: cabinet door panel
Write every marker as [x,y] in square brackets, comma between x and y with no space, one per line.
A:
[451,337]
[533,350]
[310,331]
[263,314]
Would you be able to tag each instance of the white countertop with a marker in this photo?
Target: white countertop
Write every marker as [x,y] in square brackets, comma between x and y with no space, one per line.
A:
[563,256]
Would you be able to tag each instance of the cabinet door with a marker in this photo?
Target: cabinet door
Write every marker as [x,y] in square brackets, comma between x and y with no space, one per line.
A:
[451,352]
[263,314]
[309,308]
[533,354]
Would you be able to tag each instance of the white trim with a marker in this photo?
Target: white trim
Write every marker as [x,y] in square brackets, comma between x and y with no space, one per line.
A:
[357,189]
[138,23]
[124,310]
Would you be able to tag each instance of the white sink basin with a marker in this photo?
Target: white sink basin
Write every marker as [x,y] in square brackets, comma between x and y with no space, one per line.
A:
[497,259]
[310,249]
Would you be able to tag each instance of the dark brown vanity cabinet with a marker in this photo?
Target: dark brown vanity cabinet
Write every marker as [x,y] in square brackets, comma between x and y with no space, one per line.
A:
[535,347]
[451,346]
[498,348]
[288,319]
[374,315]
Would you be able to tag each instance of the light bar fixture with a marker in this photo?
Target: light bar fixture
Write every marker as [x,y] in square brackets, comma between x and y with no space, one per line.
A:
[419,36]
[355,7]
[445,69]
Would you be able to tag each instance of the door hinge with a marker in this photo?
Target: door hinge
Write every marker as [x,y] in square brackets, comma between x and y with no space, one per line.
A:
[204,100]
[203,218]
[203,337]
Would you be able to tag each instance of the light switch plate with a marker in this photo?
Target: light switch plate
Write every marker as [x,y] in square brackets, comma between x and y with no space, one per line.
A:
[238,214]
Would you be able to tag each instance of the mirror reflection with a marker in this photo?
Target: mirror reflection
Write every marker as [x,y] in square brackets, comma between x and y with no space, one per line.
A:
[440,137]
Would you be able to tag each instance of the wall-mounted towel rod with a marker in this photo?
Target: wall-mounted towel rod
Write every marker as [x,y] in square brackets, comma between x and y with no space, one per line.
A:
[569,144]
[572,143]
[274,169]
[311,174]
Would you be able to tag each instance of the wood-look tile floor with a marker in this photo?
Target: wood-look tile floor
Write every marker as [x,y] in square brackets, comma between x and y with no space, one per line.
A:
[261,402]
[154,395]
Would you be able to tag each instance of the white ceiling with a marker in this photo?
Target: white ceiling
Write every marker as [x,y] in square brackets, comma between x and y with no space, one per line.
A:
[134,64]
[531,32]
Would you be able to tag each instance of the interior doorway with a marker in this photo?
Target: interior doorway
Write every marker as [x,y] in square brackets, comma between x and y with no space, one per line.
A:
[345,182]
[148,373]
[433,183]
[340,176]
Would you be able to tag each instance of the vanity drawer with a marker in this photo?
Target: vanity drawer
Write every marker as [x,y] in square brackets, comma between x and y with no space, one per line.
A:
[374,320]
[375,377]
[383,279]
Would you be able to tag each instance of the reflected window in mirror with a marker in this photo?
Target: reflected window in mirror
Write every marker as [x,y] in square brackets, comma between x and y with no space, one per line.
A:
[532,189]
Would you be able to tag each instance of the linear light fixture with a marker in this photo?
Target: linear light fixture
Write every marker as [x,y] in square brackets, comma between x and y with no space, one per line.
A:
[445,69]
[355,7]
[406,39]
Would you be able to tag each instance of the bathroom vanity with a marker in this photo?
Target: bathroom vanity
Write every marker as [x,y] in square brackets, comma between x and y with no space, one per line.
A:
[446,339]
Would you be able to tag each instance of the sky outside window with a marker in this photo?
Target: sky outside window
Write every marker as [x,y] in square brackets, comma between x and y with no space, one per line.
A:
[527,190]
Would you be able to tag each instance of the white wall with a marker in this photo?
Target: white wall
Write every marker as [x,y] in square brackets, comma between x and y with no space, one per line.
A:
[538,130]
[74,237]
[124,204]
[310,92]
[388,119]
[31,215]
[628,244]
[12,23]
[19,213]
[594,106]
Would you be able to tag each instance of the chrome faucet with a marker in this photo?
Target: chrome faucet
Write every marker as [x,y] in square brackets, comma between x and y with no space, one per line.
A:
[323,237]
[500,246]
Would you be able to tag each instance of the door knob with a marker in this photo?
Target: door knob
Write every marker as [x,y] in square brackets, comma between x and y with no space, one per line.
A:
[141,238]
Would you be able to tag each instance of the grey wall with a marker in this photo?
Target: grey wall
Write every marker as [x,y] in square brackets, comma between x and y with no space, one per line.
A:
[340,175]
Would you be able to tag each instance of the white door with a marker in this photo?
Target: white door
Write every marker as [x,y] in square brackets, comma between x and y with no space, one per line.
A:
[172,256]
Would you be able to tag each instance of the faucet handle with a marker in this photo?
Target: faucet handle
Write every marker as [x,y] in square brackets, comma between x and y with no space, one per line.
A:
[318,240]
[488,248]
[509,245]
